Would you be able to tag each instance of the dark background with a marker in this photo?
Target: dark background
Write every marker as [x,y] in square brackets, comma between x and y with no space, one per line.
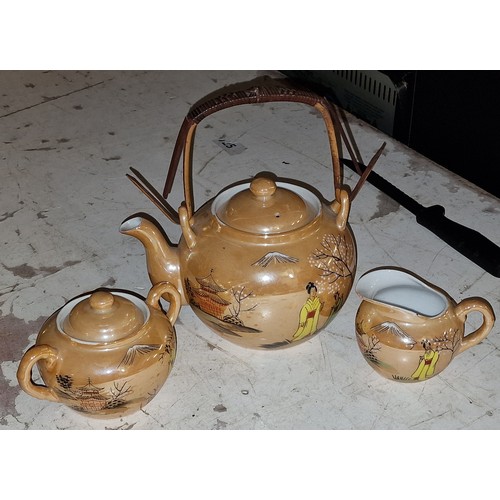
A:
[451,117]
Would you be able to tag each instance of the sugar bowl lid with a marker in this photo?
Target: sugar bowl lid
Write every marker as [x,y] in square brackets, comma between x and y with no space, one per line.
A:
[266,207]
[102,317]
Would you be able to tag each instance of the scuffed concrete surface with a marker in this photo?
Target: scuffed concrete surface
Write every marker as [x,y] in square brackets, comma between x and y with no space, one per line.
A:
[68,139]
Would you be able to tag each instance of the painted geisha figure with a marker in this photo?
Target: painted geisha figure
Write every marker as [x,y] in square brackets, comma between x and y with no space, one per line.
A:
[309,314]
[427,362]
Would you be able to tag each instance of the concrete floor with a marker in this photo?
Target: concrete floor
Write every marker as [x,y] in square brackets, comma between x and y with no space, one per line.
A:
[68,139]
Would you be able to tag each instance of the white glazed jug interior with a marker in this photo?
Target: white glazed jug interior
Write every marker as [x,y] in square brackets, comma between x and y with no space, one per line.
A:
[400,289]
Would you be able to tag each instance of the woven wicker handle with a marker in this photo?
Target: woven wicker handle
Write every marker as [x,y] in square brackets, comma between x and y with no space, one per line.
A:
[272,91]
[265,90]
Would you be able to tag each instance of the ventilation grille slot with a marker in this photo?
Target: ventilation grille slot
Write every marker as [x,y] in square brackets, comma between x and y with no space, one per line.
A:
[370,84]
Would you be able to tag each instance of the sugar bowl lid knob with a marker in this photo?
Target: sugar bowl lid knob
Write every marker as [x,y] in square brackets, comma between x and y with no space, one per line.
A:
[103,317]
[101,301]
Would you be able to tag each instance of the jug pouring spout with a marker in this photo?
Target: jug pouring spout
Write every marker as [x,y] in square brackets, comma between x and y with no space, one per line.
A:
[162,258]
[401,289]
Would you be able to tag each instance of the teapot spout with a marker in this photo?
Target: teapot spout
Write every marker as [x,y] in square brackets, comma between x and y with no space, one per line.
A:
[162,259]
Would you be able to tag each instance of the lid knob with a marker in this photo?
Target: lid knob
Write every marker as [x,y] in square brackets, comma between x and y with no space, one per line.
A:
[104,317]
[262,187]
[265,206]
[102,301]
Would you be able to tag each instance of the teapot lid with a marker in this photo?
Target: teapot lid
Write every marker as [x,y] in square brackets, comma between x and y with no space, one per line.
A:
[103,317]
[266,207]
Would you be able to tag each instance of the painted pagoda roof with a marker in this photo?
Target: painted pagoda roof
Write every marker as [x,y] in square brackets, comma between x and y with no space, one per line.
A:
[208,283]
[215,298]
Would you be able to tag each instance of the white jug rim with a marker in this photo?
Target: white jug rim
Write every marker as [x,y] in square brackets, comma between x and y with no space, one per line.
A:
[402,289]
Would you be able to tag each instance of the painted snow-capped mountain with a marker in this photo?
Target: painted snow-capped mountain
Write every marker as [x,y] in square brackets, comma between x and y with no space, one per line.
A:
[396,330]
[275,258]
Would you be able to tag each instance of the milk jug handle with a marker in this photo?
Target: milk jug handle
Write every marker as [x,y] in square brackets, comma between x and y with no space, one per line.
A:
[475,304]
[256,91]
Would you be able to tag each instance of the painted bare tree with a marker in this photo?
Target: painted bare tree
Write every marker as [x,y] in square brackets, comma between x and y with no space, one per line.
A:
[236,308]
[371,349]
[448,342]
[119,392]
[333,258]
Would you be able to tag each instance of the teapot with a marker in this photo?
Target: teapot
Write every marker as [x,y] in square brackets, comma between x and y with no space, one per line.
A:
[267,263]
[104,354]
[409,330]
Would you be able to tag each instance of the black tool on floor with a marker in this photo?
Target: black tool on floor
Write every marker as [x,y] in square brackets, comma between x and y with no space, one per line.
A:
[468,242]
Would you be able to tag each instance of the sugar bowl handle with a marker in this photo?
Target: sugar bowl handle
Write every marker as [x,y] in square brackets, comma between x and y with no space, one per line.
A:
[24,371]
[174,298]
[475,304]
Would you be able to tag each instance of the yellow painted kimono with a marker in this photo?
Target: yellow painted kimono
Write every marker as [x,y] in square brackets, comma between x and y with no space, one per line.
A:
[308,319]
[426,366]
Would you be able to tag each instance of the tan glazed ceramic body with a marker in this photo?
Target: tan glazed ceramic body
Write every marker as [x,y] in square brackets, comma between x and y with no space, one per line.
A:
[105,354]
[409,330]
[265,264]
[259,290]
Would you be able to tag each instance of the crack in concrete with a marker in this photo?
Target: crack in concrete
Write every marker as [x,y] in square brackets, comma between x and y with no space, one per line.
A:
[51,99]
[8,215]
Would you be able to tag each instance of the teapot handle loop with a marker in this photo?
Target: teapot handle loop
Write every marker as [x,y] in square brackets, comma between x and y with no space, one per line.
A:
[24,371]
[475,304]
[259,91]
[173,296]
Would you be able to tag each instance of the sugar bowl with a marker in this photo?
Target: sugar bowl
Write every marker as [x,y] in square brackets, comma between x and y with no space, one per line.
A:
[105,354]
